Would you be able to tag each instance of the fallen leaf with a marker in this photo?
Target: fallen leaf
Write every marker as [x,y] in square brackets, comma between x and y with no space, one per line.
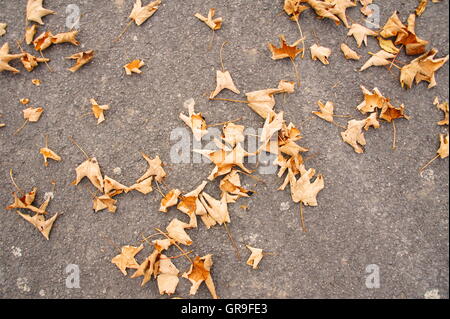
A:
[365,7]
[38,221]
[133,67]
[30,32]
[231,186]
[36,82]
[24,101]
[214,24]
[98,111]
[66,37]
[176,231]
[326,111]
[224,81]
[30,62]
[360,33]
[349,54]
[200,271]
[422,69]
[255,257]
[5,58]
[443,148]
[233,134]
[143,187]
[191,205]
[126,258]
[323,10]
[81,59]
[168,276]
[393,27]
[372,121]
[354,135]
[444,108]
[35,11]
[90,169]
[104,201]
[3,29]
[371,101]
[217,209]
[154,169]
[388,45]
[390,112]
[321,53]
[43,41]
[285,50]
[110,184]
[48,153]
[378,59]
[421,7]
[171,199]
[195,121]
[140,13]
[146,269]
[302,190]
[32,114]
[294,8]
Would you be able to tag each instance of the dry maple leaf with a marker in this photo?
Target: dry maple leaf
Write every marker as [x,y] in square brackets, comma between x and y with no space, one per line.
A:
[285,50]
[302,190]
[171,199]
[365,7]
[43,41]
[90,169]
[263,101]
[140,13]
[422,69]
[231,187]
[294,8]
[349,54]
[272,125]
[443,148]
[326,111]
[30,62]
[390,112]
[98,110]
[26,202]
[224,81]
[255,257]
[66,37]
[81,59]
[388,45]
[354,135]
[32,114]
[233,133]
[360,33]
[378,59]
[143,187]
[48,153]
[371,100]
[110,184]
[323,10]
[104,201]
[39,221]
[214,24]
[191,205]
[200,271]
[126,258]
[36,82]
[168,276]
[217,209]
[444,108]
[195,121]
[3,29]
[176,231]
[154,169]
[146,269]
[35,11]
[321,53]
[393,26]
[133,67]
[30,32]
[5,58]
[372,120]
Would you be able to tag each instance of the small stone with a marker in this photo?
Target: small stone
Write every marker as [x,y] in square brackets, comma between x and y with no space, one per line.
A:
[117,171]
[284,206]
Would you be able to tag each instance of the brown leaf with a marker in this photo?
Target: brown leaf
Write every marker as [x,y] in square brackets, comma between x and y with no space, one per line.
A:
[349,54]
[154,169]
[421,7]
[171,199]
[321,53]
[255,257]
[388,45]
[326,111]
[5,58]
[217,209]
[32,114]
[126,258]
[176,231]
[200,271]
[43,41]
[390,112]
[30,32]
[354,135]
[143,187]
[168,276]
[35,11]
[3,29]
[30,62]
[81,59]
[98,111]
[302,190]
[443,148]
[140,13]
[224,81]
[444,108]
[90,169]
[378,59]
[67,37]
[214,24]
[38,221]
[48,153]
[134,67]
[294,8]
[285,50]
[104,201]
[195,121]
[360,33]
[110,184]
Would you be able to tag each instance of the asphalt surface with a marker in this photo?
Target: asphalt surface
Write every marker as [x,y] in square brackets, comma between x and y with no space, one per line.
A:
[375,209]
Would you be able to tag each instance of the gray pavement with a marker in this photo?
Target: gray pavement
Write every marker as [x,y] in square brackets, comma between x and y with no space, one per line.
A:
[375,208]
